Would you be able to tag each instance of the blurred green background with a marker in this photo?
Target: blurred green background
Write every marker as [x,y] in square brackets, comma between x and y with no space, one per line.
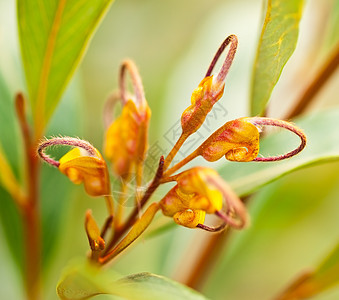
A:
[295,220]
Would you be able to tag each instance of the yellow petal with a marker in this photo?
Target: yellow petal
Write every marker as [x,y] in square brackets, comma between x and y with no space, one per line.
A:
[190,218]
[126,138]
[90,170]
[238,140]
[172,203]
[203,98]
[8,180]
[196,180]
[93,233]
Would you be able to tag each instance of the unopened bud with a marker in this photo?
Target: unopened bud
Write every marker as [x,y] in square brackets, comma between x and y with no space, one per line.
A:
[79,167]
[237,140]
[83,164]
[209,91]
[96,242]
[190,218]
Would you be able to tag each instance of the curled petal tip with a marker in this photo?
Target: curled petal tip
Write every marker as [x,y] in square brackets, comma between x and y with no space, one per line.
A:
[83,163]
[261,121]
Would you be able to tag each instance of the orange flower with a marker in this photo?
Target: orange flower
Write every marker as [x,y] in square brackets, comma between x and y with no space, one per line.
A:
[202,100]
[82,164]
[126,137]
[238,140]
[209,91]
[201,191]
[80,167]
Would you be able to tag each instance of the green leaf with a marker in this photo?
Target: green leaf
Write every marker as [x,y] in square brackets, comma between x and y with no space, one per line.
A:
[10,142]
[54,36]
[83,281]
[322,146]
[149,286]
[276,44]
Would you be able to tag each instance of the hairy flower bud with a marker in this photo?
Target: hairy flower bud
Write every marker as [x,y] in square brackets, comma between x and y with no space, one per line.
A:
[210,89]
[82,164]
[126,138]
[202,100]
[201,191]
[237,140]
[195,181]
[81,167]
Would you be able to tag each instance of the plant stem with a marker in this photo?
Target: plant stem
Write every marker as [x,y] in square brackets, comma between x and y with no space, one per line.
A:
[31,218]
[181,164]
[120,207]
[132,218]
[208,256]
[110,205]
[30,212]
[175,150]
[317,83]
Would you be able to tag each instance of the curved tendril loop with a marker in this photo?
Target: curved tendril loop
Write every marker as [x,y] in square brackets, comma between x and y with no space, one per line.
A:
[109,106]
[258,121]
[233,41]
[65,141]
[128,65]
[218,228]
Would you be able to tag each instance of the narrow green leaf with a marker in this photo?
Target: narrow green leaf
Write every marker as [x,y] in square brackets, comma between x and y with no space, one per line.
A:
[10,141]
[83,281]
[312,283]
[276,44]
[54,36]
[322,146]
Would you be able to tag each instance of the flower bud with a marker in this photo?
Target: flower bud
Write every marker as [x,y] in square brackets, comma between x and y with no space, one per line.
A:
[202,100]
[82,167]
[190,218]
[192,197]
[238,140]
[95,240]
[210,89]
[173,202]
[201,191]
[126,138]
[196,181]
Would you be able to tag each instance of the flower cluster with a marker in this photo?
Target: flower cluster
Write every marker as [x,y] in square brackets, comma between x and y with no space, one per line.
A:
[198,190]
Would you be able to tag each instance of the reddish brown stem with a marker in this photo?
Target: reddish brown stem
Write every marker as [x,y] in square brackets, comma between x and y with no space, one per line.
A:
[31,215]
[128,65]
[231,40]
[133,216]
[218,228]
[207,258]
[316,84]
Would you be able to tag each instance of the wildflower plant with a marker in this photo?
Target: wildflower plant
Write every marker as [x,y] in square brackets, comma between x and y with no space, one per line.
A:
[195,192]
[198,190]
